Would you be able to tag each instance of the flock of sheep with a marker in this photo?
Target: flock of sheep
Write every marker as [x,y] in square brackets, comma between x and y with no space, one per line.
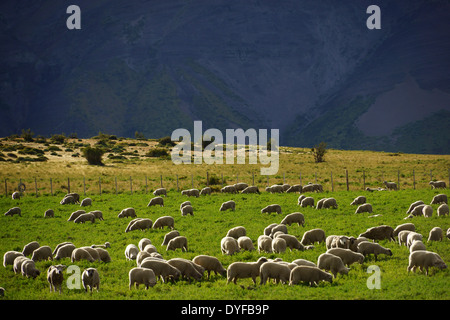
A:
[342,250]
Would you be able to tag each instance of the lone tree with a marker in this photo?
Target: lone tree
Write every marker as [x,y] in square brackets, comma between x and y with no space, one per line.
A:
[319,152]
[93,155]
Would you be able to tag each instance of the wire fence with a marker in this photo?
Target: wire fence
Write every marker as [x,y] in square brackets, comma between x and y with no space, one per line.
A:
[143,184]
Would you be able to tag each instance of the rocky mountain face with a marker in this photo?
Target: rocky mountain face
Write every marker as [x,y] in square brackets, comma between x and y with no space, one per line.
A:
[309,68]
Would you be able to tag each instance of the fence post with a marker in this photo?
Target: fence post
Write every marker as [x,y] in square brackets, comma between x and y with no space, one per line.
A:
[68,185]
[346,178]
[51,187]
[332,187]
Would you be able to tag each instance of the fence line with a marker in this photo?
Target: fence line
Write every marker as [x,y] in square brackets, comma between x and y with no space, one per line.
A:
[332,181]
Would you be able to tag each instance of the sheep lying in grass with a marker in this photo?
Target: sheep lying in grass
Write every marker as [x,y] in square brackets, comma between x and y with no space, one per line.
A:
[228,205]
[143,276]
[179,242]
[366,248]
[272,208]
[348,256]
[332,263]
[308,274]
[156,201]
[160,192]
[358,200]
[188,209]
[191,193]
[273,270]
[366,207]
[55,277]
[379,233]
[229,246]
[165,221]
[210,263]
[443,210]
[440,198]
[13,211]
[127,212]
[436,234]
[425,260]
[90,278]
[240,270]
[169,236]
[312,236]
[250,189]
[295,217]
[438,184]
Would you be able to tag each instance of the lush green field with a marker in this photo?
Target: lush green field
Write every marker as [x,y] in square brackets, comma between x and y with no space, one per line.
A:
[204,231]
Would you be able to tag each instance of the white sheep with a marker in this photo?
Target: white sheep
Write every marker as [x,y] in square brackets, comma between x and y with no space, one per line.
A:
[424,260]
[98,214]
[127,212]
[141,256]
[164,221]
[210,263]
[354,243]
[15,195]
[186,268]
[268,229]
[405,226]
[250,189]
[81,254]
[436,234]
[379,233]
[75,215]
[279,245]
[272,208]
[300,198]
[264,244]
[413,205]
[228,205]
[150,248]
[93,252]
[84,217]
[10,256]
[143,242]
[188,209]
[86,202]
[143,276]
[240,270]
[240,186]
[245,243]
[366,207]
[309,274]
[275,189]
[49,213]
[131,252]
[42,253]
[13,211]
[179,242]
[440,198]
[160,192]
[169,236]
[278,228]
[237,232]
[417,210]
[30,247]
[438,184]
[348,256]
[206,191]
[411,237]
[104,255]
[312,236]
[319,203]
[358,200]
[332,263]
[307,202]
[273,270]
[295,217]
[427,211]
[156,201]
[185,203]
[28,269]
[90,278]
[59,245]
[334,241]
[68,199]
[330,203]
[403,237]
[443,210]
[229,246]
[295,188]
[366,248]
[55,277]
[64,251]
[417,245]
[191,193]
[390,185]
[161,269]
[303,262]
[139,224]
[17,264]
[291,241]
[228,189]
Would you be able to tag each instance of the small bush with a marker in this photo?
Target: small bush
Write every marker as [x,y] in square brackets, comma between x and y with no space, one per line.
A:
[319,152]
[157,152]
[93,155]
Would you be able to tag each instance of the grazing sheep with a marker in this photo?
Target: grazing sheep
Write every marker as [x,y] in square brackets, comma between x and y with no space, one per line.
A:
[272,208]
[354,243]
[229,245]
[13,211]
[82,218]
[64,251]
[405,226]
[191,193]
[169,236]
[295,188]
[250,189]
[300,198]
[268,229]
[165,221]
[295,217]
[210,263]
[74,195]
[228,205]
[81,254]
[127,212]
[143,276]
[309,274]
[179,242]
[438,184]
[320,203]
[42,253]
[75,215]
[425,259]
[291,241]
[240,186]
[379,233]
[162,269]
[187,210]
[242,270]
[86,202]
[436,234]
[312,236]
[93,252]
[440,198]
[143,242]
[186,268]
[416,246]
[303,262]
[98,214]
[160,192]
[358,200]
[278,228]
[206,191]
[245,243]
[28,269]
[55,277]
[139,224]
[17,264]
[185,203]
[417,210]
[329,203]
[237,232]
[279,245]
[275,189]
[390,185]
[131,252]
[10,256]
[265,244]
[334,241]
[332,263]
[443,210]
[366,207]
[105,245]
[49,213]
[411,237]
[228,189]
[427,211]
[91,279]
[149,248]
[348,256]
[141,256]
[310,187]
[68,199]
[307,202]
[15,195]
[156,201]
[273,270]
[366,248]
[30,247]
[413,205]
